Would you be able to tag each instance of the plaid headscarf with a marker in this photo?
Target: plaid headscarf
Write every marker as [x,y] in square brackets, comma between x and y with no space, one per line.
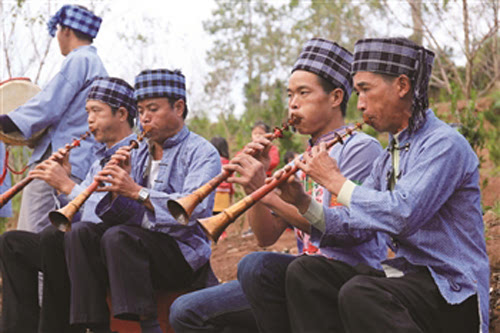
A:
[115,92]
[155,83]
[328,60]
[75,18]
[396,56]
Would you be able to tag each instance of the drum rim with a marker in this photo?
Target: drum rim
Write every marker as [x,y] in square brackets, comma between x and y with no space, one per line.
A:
[16,138]
[20,78]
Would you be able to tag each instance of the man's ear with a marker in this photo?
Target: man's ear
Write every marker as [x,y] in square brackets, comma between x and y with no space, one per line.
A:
[336,97]
[179,107]
[122,113]
[65,31]
[403,85]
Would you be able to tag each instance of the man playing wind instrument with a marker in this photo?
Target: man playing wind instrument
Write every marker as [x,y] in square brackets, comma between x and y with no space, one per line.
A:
[139,246]
[423,192]
[111,111]
[318,89]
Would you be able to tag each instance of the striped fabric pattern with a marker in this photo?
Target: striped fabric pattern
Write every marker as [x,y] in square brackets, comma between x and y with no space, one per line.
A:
[115,92]
[398,56]
[393,56]
[75,18]
[155,83]
[328,60]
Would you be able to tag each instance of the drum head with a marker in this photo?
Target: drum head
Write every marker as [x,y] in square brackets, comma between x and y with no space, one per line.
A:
[15,92]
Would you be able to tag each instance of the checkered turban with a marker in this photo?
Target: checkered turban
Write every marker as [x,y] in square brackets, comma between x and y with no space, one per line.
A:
[396,56]
[75,18]
[155,83]
[328,60]
[115,92]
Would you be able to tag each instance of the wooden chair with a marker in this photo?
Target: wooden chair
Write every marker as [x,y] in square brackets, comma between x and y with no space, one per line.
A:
[163,298]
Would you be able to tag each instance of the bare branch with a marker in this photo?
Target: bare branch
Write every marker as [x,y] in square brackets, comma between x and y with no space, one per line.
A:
[489,86]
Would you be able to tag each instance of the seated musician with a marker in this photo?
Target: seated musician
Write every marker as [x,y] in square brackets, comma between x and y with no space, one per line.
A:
[111,112]
[143,247]
[423,192]
[318,89]
[60,107]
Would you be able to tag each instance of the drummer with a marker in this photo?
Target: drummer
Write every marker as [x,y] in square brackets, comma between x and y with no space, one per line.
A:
[59,107]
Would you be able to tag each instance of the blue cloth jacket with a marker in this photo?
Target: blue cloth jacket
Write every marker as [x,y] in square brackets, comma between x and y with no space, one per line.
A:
[355,159]
[433,214]
[60,107]
[188,162]
[102,155]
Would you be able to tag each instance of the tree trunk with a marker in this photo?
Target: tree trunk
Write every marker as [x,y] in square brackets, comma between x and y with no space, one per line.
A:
[416,16]
[468,55]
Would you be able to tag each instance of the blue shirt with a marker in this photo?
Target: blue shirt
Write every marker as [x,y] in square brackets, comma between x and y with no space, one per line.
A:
[433,214]
[354,158]
[188,162]
[60,106]
[102,154]
[6,210]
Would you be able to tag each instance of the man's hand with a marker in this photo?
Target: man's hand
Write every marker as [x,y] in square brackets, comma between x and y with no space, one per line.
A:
[292,190]
[118,181]
[116,176]
[61,156]
[53,174]
[122,159]
[322,168]
[259,149]
[252,172]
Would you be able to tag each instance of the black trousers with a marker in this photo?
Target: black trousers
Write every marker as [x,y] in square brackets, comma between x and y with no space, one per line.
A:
[330,296]
[22,255]
[131,260]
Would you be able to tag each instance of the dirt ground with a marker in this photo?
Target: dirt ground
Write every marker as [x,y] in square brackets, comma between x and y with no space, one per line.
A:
[229,250]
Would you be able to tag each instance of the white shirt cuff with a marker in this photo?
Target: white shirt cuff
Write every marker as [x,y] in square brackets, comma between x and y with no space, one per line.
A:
[315,215]
[345,193]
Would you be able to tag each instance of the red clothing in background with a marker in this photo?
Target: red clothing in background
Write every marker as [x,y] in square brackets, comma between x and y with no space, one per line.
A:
[223,192]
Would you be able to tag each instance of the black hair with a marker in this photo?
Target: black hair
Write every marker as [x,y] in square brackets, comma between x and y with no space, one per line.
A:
[328,87]
[288,157]
[130,118]
[171,102]
[221,144]
[80,35]
[263,125]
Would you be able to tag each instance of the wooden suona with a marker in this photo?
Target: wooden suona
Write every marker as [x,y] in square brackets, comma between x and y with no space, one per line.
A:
[10,193]
[215,225]
[62,218]
[181,209]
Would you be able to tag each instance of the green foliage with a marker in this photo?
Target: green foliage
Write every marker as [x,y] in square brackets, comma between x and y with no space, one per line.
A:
[336,20]
[496,208]
[471,122]
[3,224]
[484,63]
[493,133]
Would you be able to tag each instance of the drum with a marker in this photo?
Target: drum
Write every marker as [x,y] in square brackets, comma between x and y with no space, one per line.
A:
[15,92]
